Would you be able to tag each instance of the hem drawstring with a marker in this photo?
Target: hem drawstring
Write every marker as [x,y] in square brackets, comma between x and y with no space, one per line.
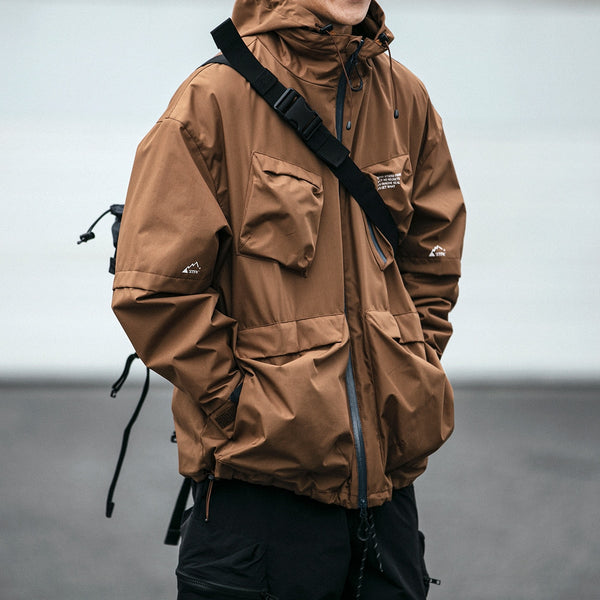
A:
[367,534]
[211,482]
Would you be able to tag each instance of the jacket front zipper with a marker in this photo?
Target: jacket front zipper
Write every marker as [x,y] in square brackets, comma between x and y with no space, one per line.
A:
[382,255]
[359,442]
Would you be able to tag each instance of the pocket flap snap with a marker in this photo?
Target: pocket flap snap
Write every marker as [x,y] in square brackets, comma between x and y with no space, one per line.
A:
[410,328]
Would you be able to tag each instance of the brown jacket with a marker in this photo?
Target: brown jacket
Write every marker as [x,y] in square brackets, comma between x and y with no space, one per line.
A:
[241,261]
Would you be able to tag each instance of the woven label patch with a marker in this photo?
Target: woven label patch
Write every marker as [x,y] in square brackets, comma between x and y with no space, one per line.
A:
[388,181]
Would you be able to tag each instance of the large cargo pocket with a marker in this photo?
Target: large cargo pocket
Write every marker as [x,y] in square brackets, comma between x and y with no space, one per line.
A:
[292,417]
[413,395]
[282,213]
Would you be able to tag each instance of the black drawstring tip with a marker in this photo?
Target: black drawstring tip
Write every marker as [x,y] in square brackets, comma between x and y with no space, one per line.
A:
[326,28]
[396,113]
[110,506]
[86,237]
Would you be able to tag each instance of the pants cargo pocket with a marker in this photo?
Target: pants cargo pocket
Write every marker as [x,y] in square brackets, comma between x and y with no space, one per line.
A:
[216,562]
[220,569]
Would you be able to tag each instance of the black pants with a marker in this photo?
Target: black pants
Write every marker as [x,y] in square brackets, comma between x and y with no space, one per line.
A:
[264,542]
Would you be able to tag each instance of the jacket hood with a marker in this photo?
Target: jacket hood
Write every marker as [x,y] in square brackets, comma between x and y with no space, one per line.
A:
[302,28]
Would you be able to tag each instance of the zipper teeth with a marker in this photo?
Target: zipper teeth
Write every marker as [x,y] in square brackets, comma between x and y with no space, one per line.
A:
[219,587]
[359,442]
[376,243]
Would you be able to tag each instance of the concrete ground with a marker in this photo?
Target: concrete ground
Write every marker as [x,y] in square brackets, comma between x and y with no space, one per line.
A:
[510,506]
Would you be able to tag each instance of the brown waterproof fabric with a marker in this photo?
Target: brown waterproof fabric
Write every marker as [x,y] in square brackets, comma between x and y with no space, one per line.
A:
[241,261]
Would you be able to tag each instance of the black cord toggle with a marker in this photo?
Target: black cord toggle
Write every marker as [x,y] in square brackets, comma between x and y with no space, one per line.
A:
[86,237]
[89,235]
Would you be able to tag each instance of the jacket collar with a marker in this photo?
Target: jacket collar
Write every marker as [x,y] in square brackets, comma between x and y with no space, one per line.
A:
[298,40]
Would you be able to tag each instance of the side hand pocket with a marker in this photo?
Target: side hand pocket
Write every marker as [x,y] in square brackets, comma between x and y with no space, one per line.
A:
[225,415]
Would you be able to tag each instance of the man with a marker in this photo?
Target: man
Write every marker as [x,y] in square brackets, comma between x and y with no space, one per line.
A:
[303,348]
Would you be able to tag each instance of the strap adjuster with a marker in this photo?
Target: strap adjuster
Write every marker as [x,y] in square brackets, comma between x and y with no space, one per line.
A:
[294,109]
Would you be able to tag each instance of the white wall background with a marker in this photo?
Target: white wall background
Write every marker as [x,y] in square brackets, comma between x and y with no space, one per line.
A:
[518,85]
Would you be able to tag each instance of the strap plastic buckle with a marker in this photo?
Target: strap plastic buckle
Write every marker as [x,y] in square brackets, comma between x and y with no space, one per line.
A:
[294,109]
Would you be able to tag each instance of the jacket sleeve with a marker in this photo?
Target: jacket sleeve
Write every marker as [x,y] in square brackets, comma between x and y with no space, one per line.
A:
[172,236]
[430,255]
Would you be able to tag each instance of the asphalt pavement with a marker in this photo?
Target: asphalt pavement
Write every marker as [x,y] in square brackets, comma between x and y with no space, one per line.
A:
[510,506]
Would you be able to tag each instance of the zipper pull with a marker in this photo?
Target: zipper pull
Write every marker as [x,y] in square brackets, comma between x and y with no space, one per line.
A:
[363,528]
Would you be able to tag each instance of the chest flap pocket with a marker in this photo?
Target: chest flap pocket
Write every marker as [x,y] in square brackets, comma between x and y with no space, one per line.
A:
[282,213]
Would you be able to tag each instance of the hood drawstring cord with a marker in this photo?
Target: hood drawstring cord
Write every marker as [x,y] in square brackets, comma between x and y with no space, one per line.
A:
[385,42]
[352,61]
[368,536]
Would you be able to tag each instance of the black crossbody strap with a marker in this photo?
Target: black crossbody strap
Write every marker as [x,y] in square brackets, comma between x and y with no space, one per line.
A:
[294,110]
